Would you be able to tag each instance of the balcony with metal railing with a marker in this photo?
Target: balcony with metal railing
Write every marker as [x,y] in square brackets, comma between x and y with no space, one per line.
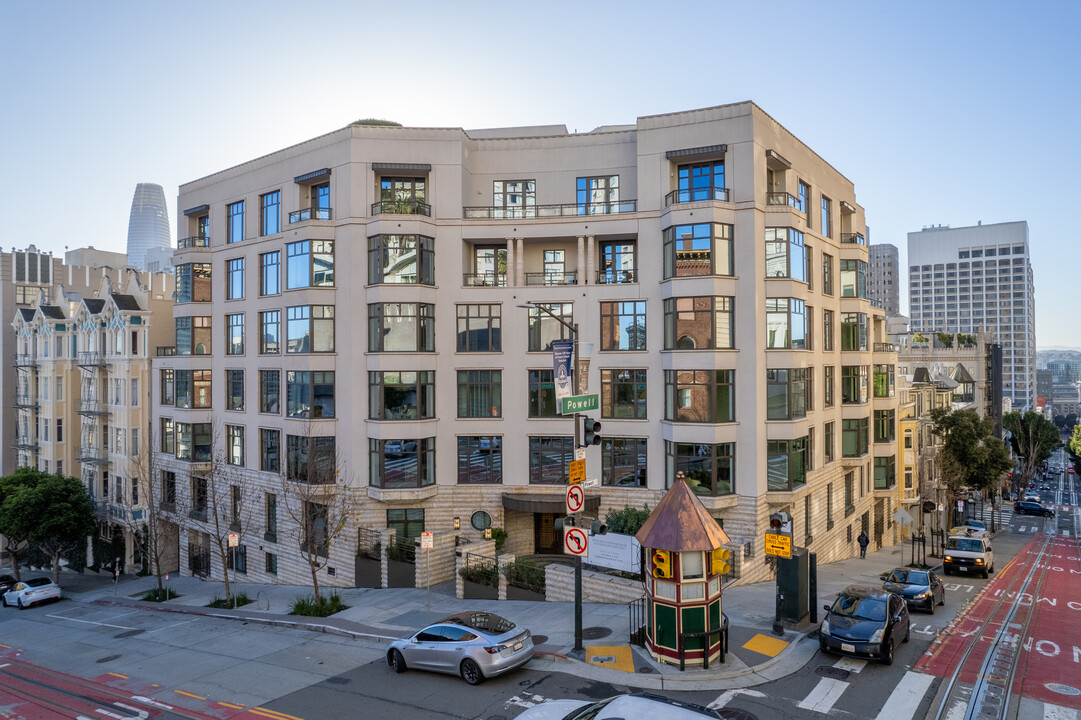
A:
[23,400]
[93,455]
[25,442]
[484,279]
[25,360]
[92,406]
[401,207]
[196,242]
[91,359]
[853,239]
[539,212]
[617,277]
[166,350]
[551,278]
[884,348]
[689,195]
[784,199]
[310,213]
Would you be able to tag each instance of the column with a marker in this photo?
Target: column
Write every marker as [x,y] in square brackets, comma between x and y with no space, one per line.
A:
[511,274]
[580,278]
[591,261]
[519,263]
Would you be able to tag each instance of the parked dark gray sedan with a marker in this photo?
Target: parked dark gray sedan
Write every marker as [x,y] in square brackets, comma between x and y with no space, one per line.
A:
[921,589]
[865,622]
[475,645]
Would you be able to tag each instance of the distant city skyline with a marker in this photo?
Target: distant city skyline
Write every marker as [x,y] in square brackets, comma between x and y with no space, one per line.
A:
[936,113]
[149,234]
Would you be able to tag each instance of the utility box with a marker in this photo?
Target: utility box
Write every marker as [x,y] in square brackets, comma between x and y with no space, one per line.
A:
[793,586]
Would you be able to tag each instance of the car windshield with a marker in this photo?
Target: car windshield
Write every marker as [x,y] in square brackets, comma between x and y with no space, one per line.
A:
[37,582]
[861,608]
[908,577]
[964,545]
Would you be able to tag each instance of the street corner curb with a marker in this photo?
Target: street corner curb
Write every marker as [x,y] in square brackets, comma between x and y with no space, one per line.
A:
[555,656]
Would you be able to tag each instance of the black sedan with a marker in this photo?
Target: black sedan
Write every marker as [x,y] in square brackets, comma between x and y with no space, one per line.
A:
[1028,507]
[6,583]
[865,622]
[920,589]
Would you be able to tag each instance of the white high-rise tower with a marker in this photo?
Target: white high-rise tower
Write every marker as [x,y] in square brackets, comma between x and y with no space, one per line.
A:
[148,228]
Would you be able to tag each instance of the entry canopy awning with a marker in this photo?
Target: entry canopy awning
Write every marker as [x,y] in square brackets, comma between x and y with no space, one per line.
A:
[547,503]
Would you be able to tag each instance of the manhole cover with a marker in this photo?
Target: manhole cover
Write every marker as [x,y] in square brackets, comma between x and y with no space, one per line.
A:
[1062,689]
[833,673]
[108,658]
[595,633]
[538,639]
[736,714]
[645,670]
[129,633]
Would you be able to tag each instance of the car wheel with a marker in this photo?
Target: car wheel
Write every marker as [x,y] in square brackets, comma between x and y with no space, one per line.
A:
[19,601]
[984,574]
[4,600]
[396,661]
[908,632]
[932,606]
[471,672]
[943,600]
[887,654]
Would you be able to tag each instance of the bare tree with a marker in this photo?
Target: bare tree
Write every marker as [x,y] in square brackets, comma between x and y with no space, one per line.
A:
[230,500]
[318,498]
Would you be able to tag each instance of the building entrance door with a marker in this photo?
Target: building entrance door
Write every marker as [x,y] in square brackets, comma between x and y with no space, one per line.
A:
[545,541]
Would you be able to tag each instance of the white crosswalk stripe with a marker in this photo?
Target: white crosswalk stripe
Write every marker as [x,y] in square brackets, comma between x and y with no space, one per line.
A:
[823,696]
[905,698]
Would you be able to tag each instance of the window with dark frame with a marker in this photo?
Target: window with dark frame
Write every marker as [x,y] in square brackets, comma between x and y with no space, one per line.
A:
[623,393]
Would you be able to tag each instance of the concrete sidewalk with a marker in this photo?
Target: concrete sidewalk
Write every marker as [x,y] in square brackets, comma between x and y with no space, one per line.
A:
[755,655]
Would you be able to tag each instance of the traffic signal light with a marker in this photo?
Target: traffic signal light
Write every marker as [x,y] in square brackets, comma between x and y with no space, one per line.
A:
[562,524]
[661,564]
[721,556]
[591,431]
[597,527]
[778,520]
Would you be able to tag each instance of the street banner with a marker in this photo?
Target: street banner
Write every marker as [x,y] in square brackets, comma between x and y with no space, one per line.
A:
[561,370]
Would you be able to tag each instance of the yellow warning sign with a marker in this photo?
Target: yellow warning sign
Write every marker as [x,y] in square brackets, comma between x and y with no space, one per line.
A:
[779,545]
[577,471]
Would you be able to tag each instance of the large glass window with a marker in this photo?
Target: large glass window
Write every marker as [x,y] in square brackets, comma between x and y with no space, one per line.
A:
[700,249]
[193,441]
[623,325]
[853,331]
[786,256]
[401,464]
[271,273]
[885,426]
[827,216]
[489,266]
[828,379]
[623,462]
[854,437]
[854,384]
[309,329]
[708,469]
[193,335]
[408,395]
[549,459]
[234,222]
[883,380]
[309,394]
[234,445]
[311,459]
[167,435]
[270,386]
[167,389]
[701,181]
[598,195]
[827,274]
[699,323]
[193,282]
[618,263]
[234,328]
[270,329]
[623,394]
[234,279]
[479,328]
[309,263]
[270,205]
[401,327]
[402,195]
[700,396]
[543,328]
[193,388]
[480,460]
[853,278]
[786,464]
[480,393]
[234,389]
[885,472]
[787,393]
[408,523]
[270,450]
[827,330]
[514,198]
[786,323]
[408,259]
[542,394]
[321,201]
[828,441]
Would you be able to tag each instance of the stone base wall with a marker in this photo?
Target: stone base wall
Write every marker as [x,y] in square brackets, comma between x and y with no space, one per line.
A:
[596,587]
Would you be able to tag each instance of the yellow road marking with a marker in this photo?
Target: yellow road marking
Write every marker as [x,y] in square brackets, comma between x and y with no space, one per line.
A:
[118,675]
[7,646]
[617,657]
[231,705]
[191,695]
[765,645]
[273,714]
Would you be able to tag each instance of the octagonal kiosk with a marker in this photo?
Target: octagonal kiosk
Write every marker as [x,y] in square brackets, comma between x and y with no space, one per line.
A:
[685,560]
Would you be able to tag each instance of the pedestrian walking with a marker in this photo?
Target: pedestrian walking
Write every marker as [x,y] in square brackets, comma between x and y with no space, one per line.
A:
[864,541]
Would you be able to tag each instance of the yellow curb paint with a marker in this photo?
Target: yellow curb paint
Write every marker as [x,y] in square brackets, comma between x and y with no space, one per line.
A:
[617,657]
[765,645]
[230,705]
[273,714]
[188,694]
[118,675]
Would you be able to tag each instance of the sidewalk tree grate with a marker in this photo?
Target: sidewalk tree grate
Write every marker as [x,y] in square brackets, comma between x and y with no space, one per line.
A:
[831,672]
[595,633]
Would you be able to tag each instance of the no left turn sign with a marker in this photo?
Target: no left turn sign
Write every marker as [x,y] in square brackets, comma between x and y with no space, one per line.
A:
[575,541]
[576,498]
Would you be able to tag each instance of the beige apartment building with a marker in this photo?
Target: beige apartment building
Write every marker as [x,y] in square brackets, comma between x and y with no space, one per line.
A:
[366,301]
[82,395]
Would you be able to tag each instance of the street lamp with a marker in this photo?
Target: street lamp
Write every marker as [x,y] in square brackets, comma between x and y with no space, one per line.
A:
[573,328]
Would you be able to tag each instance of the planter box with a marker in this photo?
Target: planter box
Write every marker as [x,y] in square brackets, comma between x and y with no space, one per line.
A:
[477,591]
[517,593]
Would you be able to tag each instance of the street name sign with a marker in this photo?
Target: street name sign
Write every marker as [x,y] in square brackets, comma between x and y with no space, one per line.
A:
[580,403]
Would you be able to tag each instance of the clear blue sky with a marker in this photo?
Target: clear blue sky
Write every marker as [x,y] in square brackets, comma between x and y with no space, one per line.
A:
[939,112]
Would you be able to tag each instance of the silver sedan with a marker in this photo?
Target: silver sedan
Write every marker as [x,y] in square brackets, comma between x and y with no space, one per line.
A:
[475,645]
[27,592]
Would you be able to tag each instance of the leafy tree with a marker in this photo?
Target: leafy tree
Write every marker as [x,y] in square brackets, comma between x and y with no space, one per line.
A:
[1075,440]
[626,521]
[14,525]
[53,512]
[1033,438]
[970,456]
